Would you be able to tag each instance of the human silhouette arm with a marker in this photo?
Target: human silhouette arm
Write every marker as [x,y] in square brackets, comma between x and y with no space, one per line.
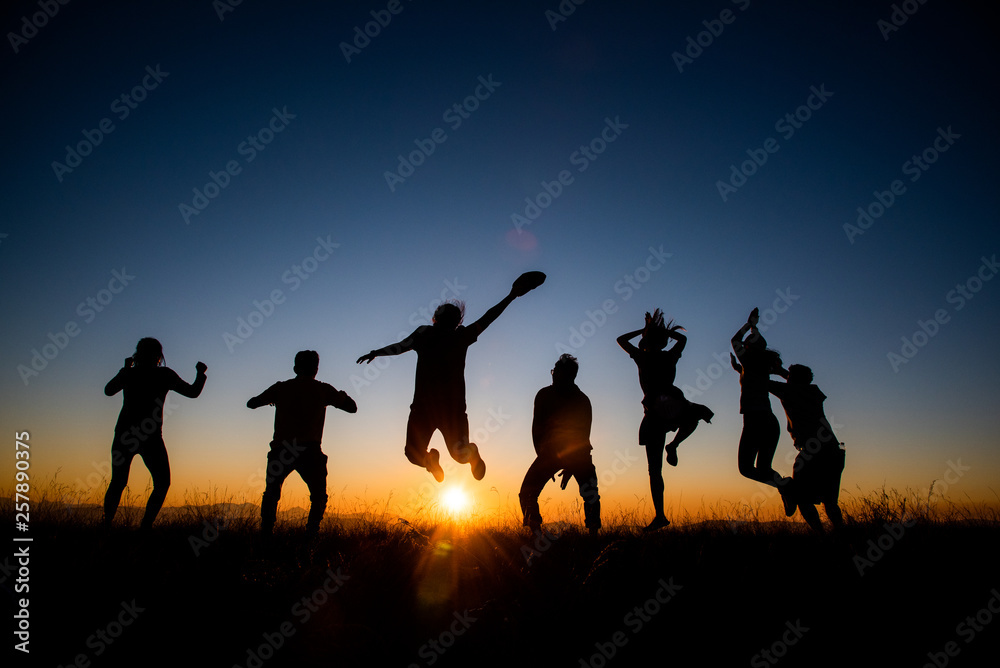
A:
[492,314]
[625,341]
[749,326]
[397,348]
[191,391]
[674,333]
[737,367]
[117,384]
[341,400]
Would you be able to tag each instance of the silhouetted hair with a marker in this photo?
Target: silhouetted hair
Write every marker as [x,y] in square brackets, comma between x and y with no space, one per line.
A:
[148,350]
[654,334]
[306,363]
[567,365]
[798,373]
[450,314]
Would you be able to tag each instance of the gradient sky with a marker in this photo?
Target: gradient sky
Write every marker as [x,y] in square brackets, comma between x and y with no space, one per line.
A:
[843,299]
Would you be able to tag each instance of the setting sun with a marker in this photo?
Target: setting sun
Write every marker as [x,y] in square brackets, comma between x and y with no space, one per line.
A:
[455,501]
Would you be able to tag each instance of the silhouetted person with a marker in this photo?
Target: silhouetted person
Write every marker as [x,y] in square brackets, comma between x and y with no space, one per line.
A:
[144,383]
[665,408]
[820,462]
[761,430]
[560,432]
[299,414]
[439,390]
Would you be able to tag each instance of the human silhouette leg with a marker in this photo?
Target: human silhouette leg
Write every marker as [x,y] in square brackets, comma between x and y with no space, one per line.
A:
[274,478]
[154,456]
[758,443]
[455,429]
[539,473]
[688,422]
[312,467]
[654,461]
[652,436]
[811,516]
[121,463]
[419,429]
[586,477]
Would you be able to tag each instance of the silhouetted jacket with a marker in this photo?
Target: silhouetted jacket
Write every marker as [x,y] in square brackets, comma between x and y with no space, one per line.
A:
[562,419]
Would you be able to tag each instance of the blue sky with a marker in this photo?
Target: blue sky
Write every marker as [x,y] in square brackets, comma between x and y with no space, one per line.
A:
[842,301]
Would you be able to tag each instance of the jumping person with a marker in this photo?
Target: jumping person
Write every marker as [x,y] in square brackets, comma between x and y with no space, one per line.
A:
[300,412]
[818,466]
[665,408]
[439,389]
[755,363]
[144,383]
[560,432]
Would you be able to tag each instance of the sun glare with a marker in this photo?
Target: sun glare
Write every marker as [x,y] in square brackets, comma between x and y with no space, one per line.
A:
[455,501]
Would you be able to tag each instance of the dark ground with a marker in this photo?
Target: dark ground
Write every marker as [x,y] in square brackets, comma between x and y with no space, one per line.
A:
[706,595]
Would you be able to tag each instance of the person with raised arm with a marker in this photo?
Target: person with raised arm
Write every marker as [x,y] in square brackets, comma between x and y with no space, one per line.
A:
[755,363]
[665,408]
[144,383]
[439,388]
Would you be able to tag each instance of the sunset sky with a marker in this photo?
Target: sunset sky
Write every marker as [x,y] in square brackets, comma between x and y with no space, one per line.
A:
[175,171]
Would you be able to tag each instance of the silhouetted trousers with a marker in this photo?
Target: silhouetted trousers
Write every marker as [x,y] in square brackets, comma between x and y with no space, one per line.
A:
[453,424]
[580,466]
[310,462]
[154,455]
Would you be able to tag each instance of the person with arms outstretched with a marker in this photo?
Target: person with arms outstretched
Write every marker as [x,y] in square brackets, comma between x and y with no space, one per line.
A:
[144,383]
[755,363]
[560,432]
[665,408]
[439,388]
[820,462]
[299,415]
